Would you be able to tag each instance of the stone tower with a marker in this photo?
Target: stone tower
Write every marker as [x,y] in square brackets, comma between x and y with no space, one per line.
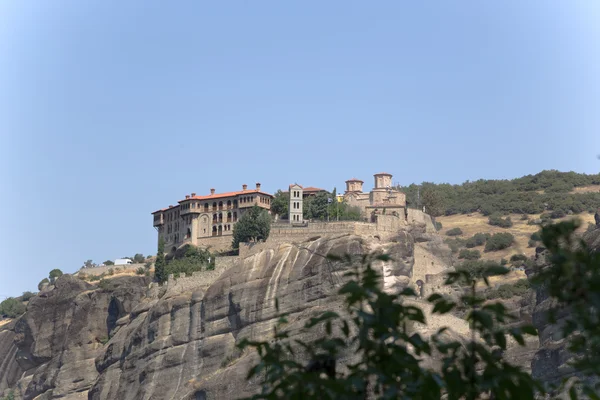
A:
[295,208]
[354,185]
[383,185]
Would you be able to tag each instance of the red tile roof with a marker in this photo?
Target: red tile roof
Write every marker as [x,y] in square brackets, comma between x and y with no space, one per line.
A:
[313,189]
[217,196]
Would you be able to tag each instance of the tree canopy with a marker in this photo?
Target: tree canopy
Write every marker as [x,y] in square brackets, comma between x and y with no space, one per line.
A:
[254,225]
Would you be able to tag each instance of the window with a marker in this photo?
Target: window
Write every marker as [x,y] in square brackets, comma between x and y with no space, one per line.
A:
[205,207]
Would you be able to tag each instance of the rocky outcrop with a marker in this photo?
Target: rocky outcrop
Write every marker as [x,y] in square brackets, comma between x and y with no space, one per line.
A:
[132,340]
[63,331]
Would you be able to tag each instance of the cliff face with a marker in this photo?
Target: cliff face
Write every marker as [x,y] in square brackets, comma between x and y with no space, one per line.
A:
[61,334]
[129,341]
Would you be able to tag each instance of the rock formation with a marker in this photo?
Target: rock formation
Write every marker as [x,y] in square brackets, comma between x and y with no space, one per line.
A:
[131,340]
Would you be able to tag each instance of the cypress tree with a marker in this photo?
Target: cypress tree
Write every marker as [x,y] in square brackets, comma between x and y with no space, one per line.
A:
[160,264]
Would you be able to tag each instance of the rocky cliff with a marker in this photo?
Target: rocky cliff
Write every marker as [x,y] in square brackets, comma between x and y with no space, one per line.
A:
[131,341]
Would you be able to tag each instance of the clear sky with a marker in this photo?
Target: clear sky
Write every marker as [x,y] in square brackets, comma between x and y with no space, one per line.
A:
[110,110]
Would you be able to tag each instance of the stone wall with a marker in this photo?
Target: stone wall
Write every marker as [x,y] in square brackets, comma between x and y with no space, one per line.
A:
[216,243]
[104,270]
[198,280]
[416,217]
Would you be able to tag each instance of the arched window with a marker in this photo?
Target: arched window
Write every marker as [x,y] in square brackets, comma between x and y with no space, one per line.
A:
[214,231]
[229,216]
[220,217]
[205,207]
[215,218]
[220,205]
[188,234]
[220,230]
[235,204]
[228,204]
[215,206]
[228,227]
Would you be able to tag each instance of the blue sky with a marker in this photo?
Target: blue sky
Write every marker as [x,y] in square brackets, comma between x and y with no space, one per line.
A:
[110,110]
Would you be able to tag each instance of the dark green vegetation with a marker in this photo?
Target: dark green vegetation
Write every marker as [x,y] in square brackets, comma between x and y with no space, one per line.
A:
[9,396]
[55,273]
[499,241]
[497,220]
[454,232]
[187,259]
[108,262]
[12,307]
[469,254]
[254,225]
[477,239]
[526,195]
[160,263]
[506,291]
[42,283]
[385,356]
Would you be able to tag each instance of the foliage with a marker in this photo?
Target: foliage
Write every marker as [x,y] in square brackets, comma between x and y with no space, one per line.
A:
[108,262]
[537,236]
[454,232]
[192,260]
[26,296]
[139,258]
[148,264]
[499,241]
[110,272]
[9,396]
[477,239]
[160,263]
[438,226]
[572,279]
[497,220]
[140,271]
[518,259]
[455,243]
[88,264]
[104,284]
[469,254]
[280,204]
[506,291]
[432,201]
[54,274]
[12,307]
[530,194]
[345,212]
[317,206]
[254,225]
[387,353]
[42,283]
[531,243]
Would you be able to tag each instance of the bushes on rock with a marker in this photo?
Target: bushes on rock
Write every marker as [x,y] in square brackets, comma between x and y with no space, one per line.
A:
[54,274]
[454,232]
[26,296]
[499,241]
[509,290]
[12,307]
[42,283]
[140,271]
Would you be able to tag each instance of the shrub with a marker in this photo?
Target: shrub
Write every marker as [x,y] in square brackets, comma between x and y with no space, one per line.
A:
[94,278]
[497,220]
[557,214]
[438,226]
[524,217]
[109,262]
[499,241]
[455,244]
[536,236]
[139,258]
[148,265]
[54,274]
[509,290]
[477,239]
[591,227]
[111,272]
[518,259]
[140,271]
[469,254]
[26,296]
[103,284]
[531,243]
[503,261]
[12,307]
[42,283]
[454,232]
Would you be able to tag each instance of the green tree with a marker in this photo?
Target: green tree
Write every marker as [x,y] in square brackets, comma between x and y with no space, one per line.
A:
[88,264]
[454,232]
[160,263]
[254,225]
[42,283]
[12,307]
[280,204]
[139,258]
[499,241]
[317,207]
[26,296]
[432,200]
[108,262]
[54,274]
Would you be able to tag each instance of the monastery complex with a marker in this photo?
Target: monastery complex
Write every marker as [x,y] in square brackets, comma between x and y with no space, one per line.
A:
[208,220]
